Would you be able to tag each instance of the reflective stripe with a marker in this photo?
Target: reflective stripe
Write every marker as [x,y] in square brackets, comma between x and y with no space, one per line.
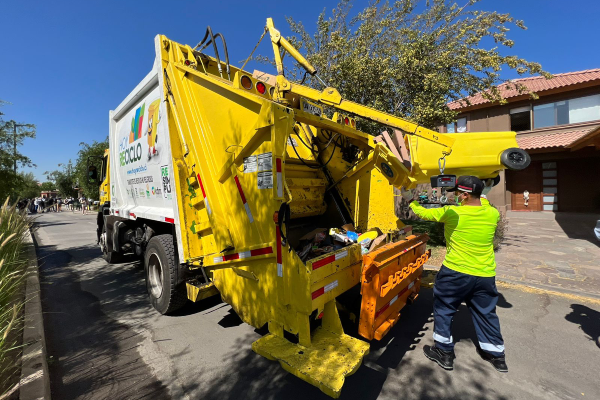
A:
[243,255]
[246,206]
[496,348]
[248,212]
[442,339]
[203,194]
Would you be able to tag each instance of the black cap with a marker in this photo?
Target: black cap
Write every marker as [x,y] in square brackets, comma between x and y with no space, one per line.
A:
[468,184]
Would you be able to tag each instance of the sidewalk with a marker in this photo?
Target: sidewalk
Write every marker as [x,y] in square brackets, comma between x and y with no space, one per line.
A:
[556,251]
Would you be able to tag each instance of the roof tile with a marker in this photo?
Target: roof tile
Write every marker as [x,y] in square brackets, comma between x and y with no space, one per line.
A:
[561,139]
[535,84]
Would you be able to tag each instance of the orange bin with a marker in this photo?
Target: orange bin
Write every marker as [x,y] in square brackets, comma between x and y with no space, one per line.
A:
[391,276]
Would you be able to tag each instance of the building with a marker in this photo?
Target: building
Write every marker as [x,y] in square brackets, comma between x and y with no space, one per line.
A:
[46,194]
[561,132]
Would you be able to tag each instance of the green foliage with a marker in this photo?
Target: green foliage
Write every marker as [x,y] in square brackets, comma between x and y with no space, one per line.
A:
[14,227]
[63,180]
[411,57]
[95,149]
[29,187]
[47,186]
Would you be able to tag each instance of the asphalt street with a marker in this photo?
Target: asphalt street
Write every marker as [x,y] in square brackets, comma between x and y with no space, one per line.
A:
[105,341]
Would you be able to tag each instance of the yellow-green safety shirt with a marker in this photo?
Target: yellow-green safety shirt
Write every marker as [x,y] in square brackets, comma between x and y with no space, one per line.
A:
[469,233]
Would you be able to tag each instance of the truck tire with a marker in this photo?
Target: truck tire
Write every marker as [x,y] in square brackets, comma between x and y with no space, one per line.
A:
[111,257]
[166,294]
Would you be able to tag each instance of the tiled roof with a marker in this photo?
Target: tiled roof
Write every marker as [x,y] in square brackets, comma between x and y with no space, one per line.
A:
[561,139]
[536,84]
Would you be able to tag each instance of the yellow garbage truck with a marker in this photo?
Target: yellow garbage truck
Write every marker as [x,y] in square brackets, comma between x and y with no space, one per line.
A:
[268,193]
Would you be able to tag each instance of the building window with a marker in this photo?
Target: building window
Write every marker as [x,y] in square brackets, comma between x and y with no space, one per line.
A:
[520,119]
[459,126]
[582,109]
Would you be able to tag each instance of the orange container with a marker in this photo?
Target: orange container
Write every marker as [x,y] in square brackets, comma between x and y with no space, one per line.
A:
[391,276]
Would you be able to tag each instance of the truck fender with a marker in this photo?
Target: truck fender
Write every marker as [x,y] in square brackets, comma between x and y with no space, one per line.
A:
[110,221]
[116,243]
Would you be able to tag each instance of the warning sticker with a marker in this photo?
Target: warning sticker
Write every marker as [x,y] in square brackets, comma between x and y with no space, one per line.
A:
[260,162]
[250,164]
[265,161]
[265,180]
[292,142]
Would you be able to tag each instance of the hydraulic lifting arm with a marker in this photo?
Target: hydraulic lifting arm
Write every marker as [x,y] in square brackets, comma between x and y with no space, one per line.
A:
[330,96]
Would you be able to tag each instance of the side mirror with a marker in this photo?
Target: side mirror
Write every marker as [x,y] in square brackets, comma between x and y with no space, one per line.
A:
[92,174]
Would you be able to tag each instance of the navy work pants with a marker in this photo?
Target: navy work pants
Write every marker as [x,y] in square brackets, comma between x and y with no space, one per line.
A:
[481,296]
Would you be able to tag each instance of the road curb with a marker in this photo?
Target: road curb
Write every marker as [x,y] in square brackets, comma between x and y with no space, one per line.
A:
[539,287]
[35,379]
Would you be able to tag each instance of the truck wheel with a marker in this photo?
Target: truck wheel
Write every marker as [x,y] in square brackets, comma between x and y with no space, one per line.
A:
[515,159]
[111,257]
[166,295]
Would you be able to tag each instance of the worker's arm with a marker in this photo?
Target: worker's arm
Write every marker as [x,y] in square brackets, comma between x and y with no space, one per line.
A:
[430,214]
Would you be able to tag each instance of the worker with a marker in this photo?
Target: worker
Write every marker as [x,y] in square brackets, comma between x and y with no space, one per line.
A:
[467,273]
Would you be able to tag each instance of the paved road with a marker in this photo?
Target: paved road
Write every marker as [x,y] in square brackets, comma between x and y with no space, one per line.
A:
[106,342]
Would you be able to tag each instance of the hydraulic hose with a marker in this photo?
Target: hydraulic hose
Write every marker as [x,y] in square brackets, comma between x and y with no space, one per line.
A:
[212,40]
[226,54]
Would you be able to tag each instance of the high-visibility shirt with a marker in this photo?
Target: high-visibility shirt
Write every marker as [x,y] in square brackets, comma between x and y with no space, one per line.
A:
[469,233]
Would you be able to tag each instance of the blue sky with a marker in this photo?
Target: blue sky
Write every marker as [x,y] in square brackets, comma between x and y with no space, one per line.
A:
[65,64]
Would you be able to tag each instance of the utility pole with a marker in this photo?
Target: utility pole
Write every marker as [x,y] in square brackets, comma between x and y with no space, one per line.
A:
[15,126]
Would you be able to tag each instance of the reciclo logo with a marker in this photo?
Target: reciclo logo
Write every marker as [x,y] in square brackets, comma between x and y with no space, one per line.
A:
[129,152]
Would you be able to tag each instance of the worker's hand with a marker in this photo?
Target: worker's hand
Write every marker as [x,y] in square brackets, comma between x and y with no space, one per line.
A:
[407,195]
[488,185]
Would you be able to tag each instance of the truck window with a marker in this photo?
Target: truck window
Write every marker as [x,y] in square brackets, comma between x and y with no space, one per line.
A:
[103,169]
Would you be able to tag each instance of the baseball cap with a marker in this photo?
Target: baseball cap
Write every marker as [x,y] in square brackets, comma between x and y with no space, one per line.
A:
[468,184]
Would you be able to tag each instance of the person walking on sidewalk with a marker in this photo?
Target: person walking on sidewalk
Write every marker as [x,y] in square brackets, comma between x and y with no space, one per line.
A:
[468,273]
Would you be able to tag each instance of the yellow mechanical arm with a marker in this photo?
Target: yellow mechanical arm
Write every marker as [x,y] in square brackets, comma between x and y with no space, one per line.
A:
[330,96]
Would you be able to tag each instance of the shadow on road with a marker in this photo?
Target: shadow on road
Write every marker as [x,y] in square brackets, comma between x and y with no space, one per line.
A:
[579,226]
[588,321]
[91,355]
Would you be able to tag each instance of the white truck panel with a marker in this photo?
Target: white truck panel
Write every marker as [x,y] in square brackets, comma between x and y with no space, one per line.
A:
[141,167]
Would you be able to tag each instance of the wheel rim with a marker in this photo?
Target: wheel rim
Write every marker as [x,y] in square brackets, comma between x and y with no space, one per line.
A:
[155,275]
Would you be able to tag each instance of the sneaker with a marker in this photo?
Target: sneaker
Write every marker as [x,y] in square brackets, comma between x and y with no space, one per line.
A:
[498,362]
[445,359]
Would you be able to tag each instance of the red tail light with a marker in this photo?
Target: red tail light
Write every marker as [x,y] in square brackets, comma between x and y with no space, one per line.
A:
[346,121]
[261,88]
[187,62]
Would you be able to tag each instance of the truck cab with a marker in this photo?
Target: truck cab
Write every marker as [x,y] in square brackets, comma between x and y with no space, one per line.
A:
[105,180]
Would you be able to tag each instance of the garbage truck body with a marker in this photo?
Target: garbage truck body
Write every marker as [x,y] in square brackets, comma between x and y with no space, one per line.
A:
[270,195]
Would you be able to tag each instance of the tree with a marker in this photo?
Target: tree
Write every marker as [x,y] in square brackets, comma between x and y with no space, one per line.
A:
[411,57]
[93,150]
[12,135]
[29,187]
[64,180]
[47,186]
